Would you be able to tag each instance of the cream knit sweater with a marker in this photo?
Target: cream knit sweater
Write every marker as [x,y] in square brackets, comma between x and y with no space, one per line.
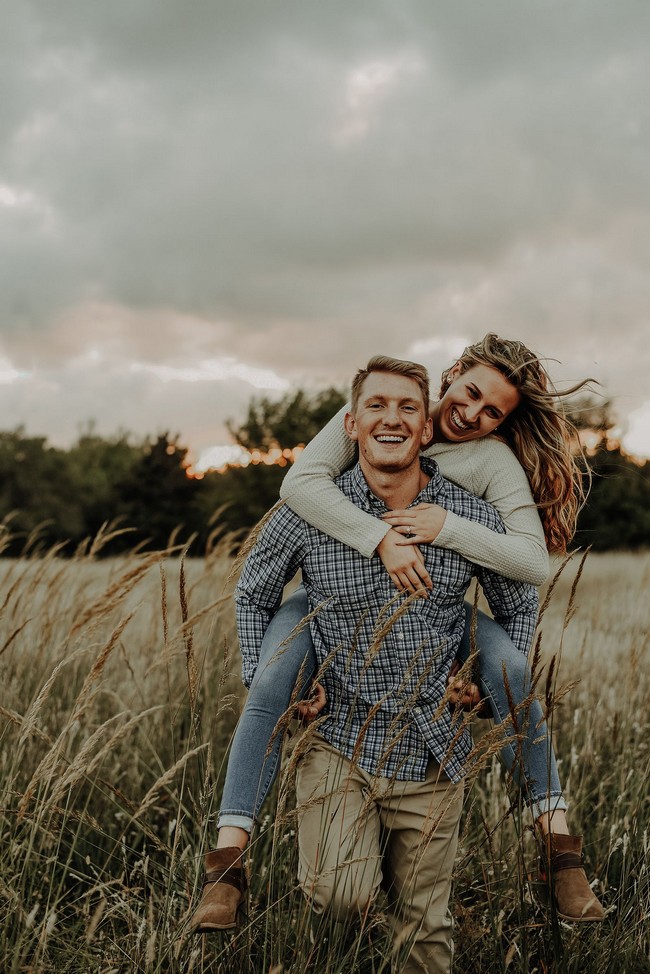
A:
[485,467]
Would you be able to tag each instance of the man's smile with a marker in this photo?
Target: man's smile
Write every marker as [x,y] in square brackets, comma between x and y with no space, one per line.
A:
[390,437]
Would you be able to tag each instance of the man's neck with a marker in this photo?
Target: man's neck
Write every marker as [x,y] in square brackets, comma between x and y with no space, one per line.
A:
[396,489]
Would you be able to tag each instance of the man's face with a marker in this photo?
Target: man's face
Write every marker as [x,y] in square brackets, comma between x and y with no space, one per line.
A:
[389,423]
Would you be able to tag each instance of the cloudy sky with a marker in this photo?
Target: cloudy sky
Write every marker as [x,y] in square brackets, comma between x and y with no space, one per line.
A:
[206,200]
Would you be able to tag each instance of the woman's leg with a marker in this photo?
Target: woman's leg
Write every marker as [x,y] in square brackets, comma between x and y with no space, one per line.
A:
[252,767]
[532,762]
[531,759]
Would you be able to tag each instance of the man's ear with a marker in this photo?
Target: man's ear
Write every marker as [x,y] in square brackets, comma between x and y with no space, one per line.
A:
[427,432]
[350,426]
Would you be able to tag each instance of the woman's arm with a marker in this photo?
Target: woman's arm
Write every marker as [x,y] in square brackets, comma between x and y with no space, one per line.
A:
[519,554]
[309,490]
[488,469]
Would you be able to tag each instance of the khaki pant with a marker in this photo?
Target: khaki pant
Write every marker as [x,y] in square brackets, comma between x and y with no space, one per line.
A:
[357,831]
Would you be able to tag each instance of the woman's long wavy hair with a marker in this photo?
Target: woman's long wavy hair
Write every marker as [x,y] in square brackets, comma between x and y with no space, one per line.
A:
[539,433]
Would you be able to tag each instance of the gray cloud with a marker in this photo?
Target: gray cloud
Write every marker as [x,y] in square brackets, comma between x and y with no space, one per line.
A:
[296,185]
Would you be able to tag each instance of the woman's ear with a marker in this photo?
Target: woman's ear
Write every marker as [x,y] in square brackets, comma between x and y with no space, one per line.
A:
[454,372]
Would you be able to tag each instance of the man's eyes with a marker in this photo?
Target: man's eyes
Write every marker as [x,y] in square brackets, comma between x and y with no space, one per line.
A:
[380,405]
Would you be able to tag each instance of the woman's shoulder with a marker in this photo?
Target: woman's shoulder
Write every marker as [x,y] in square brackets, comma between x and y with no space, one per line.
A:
[478,464]
[474,451]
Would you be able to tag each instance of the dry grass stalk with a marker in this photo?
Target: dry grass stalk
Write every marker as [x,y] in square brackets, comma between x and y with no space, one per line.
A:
[164,780]
[188,639]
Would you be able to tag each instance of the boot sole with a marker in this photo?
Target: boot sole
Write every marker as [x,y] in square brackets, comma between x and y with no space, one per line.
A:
[214,927]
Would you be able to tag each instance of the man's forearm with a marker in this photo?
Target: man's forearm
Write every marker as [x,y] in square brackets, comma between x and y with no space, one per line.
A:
[514,606]
[252,623]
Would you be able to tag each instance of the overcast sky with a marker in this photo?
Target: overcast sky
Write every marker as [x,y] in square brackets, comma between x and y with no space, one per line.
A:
[202,201]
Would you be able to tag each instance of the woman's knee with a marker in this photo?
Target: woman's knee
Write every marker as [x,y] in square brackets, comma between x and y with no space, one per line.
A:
[506,667]
[498,654]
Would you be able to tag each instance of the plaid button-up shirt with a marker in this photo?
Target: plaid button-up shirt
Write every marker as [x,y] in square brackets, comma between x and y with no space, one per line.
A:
[384,659]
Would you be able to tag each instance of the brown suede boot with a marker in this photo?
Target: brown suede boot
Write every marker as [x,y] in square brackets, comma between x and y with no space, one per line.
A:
[560,868]
[224,887]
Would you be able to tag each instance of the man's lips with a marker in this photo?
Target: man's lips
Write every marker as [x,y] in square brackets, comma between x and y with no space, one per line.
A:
[390,438]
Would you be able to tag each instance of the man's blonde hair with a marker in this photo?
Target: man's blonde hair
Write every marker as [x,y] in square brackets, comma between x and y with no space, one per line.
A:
[396,366]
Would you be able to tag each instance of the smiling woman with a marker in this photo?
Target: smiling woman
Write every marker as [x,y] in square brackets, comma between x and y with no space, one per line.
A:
[475,402]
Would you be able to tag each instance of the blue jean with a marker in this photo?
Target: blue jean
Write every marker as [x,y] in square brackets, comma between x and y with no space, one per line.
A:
[531,759]
[286,657]
[255,750]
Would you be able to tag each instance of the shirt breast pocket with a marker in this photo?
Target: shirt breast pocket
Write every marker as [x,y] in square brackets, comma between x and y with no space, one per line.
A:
[451,575]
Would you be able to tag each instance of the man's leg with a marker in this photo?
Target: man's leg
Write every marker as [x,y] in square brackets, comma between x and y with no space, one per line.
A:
[338,833]
[421,821]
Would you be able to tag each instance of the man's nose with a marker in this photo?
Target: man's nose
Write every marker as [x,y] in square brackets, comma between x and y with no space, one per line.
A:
[392,416]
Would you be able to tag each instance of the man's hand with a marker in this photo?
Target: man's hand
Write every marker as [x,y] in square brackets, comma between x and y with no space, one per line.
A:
[405,565]
[462,693]
[311,706]
[419,525]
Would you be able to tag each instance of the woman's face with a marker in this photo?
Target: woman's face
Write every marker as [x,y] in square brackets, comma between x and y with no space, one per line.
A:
[474,404]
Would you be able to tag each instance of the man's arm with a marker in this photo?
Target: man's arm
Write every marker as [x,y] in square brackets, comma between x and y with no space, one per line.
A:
[514,606]
[273,562]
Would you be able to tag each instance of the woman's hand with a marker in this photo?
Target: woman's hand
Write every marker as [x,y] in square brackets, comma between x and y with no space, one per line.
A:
[405,565]
[311,706]
[419,525]
[465,694]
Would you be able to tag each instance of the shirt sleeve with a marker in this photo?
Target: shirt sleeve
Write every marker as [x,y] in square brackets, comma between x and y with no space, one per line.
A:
[309,490]
[273,562]
[520,553]
[514,606]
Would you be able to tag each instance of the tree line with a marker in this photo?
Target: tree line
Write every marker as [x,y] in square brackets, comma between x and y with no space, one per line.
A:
[51,496]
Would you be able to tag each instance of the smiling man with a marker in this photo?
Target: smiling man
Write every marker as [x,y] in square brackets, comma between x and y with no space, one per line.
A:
[380,787]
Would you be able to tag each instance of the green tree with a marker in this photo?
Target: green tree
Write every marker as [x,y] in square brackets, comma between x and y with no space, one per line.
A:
[617,512]
[156,496]
[37,489]
[291,421]
[97,466]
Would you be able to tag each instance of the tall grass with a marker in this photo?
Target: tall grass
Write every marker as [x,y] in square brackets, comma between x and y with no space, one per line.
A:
[120,693]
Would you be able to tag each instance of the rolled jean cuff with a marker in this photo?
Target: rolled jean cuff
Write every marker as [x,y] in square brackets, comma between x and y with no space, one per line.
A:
[547,805]
[235,821]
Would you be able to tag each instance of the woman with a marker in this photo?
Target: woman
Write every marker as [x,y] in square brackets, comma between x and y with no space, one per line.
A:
[496,417]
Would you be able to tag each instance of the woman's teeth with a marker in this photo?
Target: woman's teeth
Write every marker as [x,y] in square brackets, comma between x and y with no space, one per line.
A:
[457,421]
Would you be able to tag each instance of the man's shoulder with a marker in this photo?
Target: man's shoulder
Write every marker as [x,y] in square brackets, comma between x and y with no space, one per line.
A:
[279,518]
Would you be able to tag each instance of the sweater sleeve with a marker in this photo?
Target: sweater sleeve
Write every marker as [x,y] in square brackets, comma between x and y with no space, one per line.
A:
[309,490]
[521,552]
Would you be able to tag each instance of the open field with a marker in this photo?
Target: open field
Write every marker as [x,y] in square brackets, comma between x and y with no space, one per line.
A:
[120,692]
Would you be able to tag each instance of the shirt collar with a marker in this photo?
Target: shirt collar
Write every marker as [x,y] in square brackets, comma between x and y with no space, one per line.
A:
[434,489]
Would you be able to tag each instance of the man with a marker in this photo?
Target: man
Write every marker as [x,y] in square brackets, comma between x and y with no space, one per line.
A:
[380,787]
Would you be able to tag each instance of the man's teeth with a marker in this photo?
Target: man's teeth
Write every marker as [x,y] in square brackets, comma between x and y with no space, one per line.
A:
[385,438]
